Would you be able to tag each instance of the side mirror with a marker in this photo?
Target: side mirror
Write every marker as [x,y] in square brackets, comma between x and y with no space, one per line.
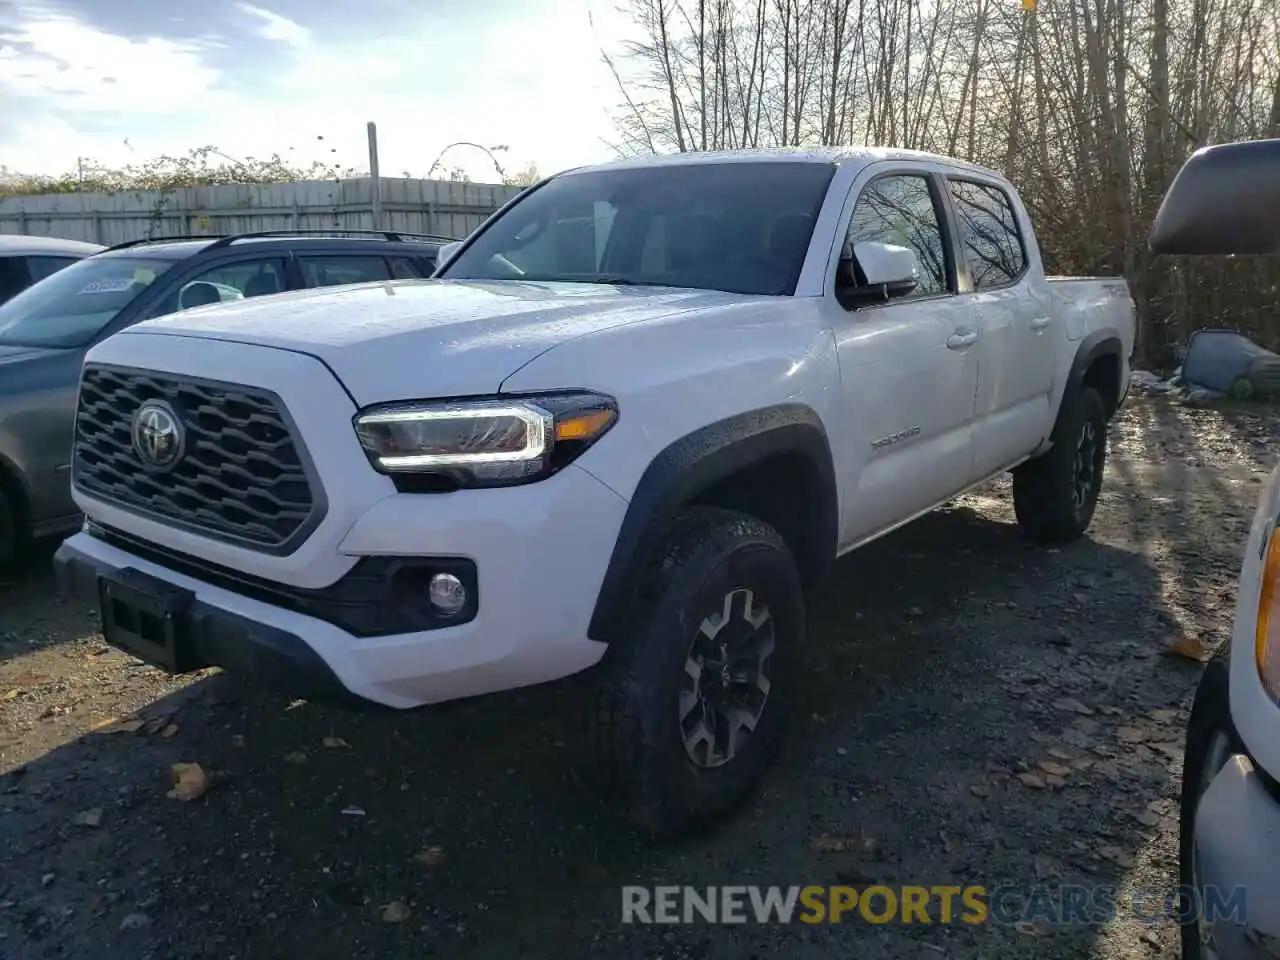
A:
[886,271]
[200,293]
[445,252]
[1223,201]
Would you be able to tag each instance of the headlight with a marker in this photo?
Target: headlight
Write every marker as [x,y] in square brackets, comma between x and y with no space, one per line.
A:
[1267,638]
[494,442]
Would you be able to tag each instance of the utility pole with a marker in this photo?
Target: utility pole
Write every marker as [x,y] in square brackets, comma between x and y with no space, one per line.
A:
[375,178]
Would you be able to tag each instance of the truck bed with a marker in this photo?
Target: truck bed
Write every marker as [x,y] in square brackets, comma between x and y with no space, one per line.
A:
[1091,303]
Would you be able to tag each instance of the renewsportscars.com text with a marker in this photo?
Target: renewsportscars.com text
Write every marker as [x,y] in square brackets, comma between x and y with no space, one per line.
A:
[938,904]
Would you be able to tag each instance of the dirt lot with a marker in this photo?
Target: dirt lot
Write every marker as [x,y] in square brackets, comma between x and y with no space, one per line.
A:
[946,660]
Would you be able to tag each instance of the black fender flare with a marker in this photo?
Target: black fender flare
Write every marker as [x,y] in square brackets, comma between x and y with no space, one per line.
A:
[1100,343]
[693,464]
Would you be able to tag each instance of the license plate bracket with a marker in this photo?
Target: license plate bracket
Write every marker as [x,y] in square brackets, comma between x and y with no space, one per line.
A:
[147,617]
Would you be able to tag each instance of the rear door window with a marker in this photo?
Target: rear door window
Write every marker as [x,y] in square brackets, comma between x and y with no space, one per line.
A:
[404,268]
[989,231]
[332,271]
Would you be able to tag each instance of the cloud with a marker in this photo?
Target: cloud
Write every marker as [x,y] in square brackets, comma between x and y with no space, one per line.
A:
[272,26]
[74,68]
[65,85]
[253,82]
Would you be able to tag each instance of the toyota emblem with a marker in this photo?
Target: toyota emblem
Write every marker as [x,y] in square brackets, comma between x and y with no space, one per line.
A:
[158,437]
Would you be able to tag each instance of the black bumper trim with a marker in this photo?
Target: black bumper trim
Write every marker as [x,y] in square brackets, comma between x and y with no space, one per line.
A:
[378,597]
[258,652]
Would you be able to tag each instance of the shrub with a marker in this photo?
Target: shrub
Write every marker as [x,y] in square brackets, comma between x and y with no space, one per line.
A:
[201,167]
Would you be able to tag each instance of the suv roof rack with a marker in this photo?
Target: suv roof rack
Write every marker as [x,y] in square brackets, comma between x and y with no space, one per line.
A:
[336,232]
[178,238]
[225,240]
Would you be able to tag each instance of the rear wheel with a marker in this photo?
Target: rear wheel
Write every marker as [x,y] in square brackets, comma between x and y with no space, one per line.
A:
[692,705]
[1055,495]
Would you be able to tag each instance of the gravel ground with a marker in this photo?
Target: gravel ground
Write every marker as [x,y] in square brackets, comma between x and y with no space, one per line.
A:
[948,662]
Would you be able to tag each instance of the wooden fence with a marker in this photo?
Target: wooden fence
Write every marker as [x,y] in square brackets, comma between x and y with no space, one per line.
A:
[441,208]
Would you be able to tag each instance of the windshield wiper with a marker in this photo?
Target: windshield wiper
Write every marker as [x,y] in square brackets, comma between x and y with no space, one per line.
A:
[618,281]
[605,279]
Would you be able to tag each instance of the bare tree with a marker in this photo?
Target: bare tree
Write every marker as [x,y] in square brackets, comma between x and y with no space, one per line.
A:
[1090,106]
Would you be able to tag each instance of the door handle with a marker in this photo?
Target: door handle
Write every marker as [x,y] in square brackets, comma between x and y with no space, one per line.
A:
[960,340]
[1039,323]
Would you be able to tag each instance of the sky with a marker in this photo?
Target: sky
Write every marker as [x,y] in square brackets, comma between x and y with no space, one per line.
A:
[123,81]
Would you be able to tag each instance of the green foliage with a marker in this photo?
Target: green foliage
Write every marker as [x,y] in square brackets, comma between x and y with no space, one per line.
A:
[526,176]
[202,167]
[454,174]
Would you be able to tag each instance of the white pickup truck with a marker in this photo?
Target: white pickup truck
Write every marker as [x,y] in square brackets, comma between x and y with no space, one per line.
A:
[1224,201]
[633,419]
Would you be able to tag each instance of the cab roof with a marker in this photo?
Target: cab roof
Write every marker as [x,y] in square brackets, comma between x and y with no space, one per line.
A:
[828,155]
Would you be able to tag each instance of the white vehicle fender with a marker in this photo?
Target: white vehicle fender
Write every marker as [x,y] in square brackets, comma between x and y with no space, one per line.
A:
[701,399]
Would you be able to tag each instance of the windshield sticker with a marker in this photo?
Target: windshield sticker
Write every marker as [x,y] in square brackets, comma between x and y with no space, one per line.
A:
[106,286]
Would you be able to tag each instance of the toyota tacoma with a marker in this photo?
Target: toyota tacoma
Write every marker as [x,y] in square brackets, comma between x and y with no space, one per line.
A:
[628,426]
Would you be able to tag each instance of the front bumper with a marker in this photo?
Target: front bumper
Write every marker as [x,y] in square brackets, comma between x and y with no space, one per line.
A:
[539,553]
[262,652]
[1237,837]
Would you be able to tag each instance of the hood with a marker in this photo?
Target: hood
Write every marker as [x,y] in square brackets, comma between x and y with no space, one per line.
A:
[16,353]
[410,339]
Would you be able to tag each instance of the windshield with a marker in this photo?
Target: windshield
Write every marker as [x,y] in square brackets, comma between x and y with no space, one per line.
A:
[738,227]
[68,308]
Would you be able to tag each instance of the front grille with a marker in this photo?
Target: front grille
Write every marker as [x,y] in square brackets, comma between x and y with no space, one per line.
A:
[241,476]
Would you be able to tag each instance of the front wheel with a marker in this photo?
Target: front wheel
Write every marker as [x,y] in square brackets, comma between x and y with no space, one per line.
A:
[1211,741]
[1055,495]
[694,701]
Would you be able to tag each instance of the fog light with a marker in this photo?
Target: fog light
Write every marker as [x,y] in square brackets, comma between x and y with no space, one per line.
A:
[447,594]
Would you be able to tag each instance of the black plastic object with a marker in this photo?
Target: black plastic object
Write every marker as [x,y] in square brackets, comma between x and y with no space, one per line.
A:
[1225,200]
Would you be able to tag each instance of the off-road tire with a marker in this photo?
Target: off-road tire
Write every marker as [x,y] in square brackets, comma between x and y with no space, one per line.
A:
[1210,717]
[638,753]
[1044,489]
